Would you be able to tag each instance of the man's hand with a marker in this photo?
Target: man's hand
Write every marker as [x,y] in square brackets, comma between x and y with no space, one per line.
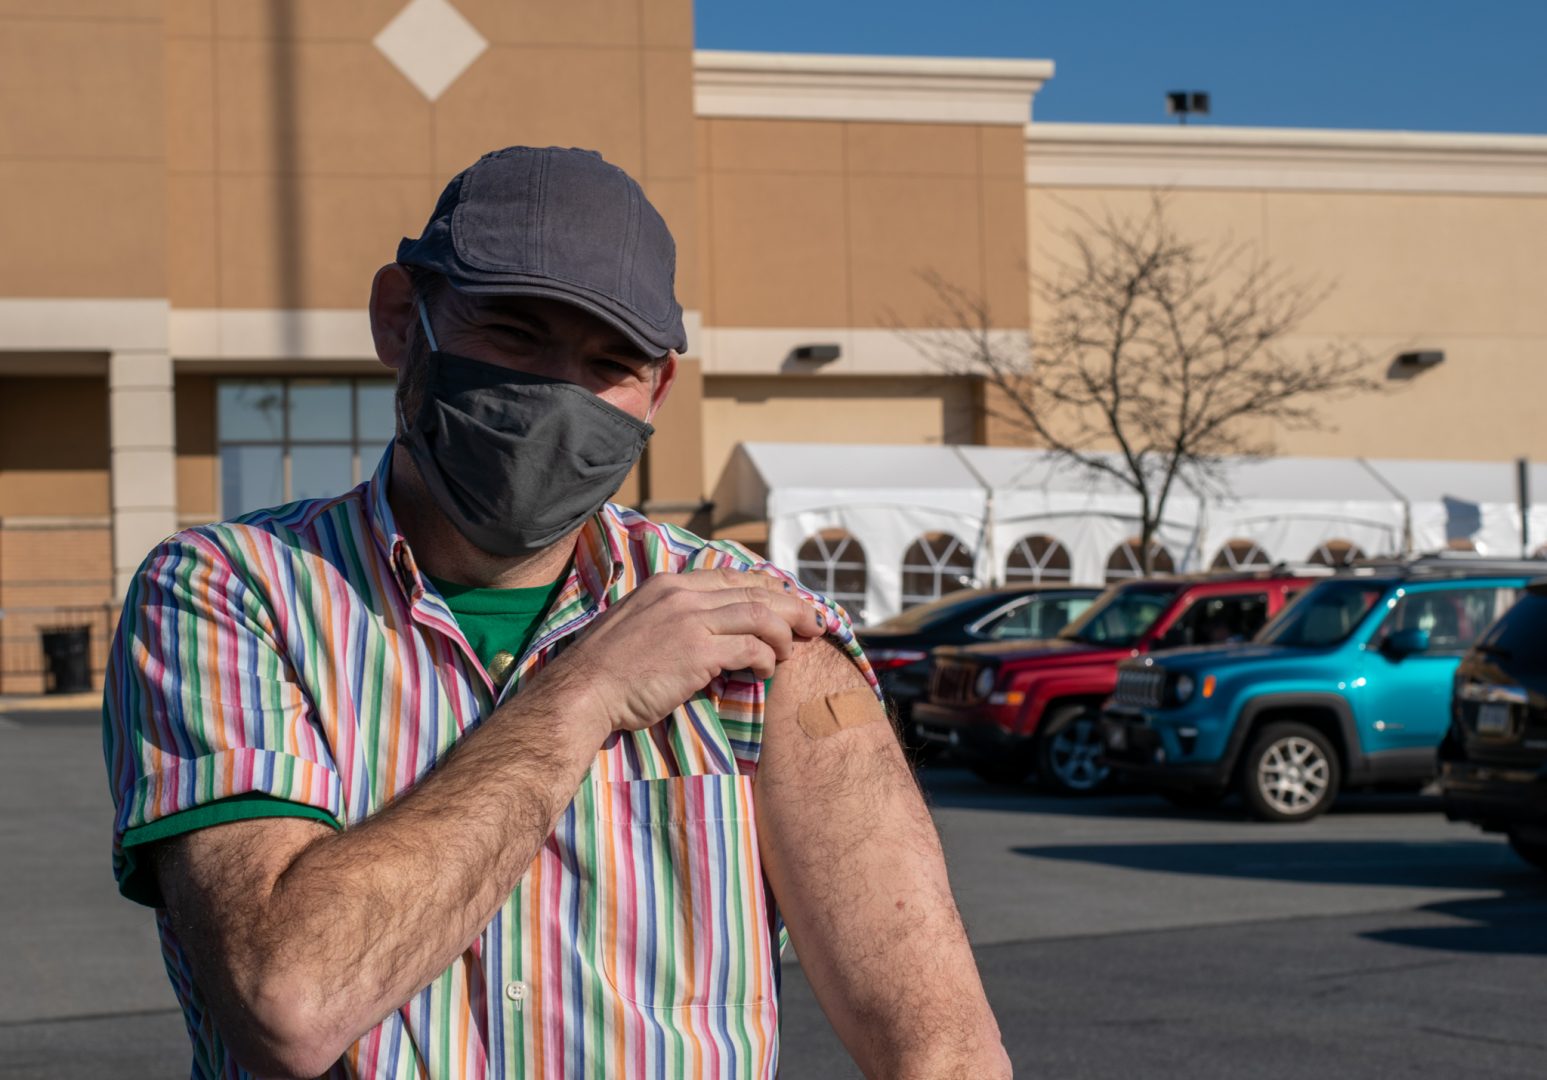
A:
[857,869]
[673,635]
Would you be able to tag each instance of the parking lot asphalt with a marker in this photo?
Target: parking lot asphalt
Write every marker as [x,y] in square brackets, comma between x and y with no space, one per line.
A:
[1117,936]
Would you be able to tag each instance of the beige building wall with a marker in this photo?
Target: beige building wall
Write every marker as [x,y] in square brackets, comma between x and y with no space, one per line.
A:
[920,409]
[831,189]
[1425,243]
[299,154]
[808,223]
[55,541]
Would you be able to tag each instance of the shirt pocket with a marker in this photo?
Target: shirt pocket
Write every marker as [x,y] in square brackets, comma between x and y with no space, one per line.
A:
[685,923]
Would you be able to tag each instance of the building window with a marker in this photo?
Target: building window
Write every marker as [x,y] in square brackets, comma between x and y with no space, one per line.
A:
[936,564]
[1241,555]
[1037,559]
[1125,564]
[833,563]
[1336,553]
[288,439]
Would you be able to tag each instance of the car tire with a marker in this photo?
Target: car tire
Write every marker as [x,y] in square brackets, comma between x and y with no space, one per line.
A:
[1195,798]
[1290,773]
[1009,769]
[1532,851]
[1069,749]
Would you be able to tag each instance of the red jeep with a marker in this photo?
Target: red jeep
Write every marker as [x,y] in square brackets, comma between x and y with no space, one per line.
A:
[1008,708]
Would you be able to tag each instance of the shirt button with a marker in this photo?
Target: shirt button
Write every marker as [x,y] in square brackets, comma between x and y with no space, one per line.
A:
[516,991]
[500,667]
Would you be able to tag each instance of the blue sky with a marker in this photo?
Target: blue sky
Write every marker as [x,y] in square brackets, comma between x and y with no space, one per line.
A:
[1421,65]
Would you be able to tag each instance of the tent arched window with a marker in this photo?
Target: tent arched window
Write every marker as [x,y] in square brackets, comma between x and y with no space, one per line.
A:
[1037,559]
[833,563]
[1336,553]
[1125,563]
[1241,555]
[935,564]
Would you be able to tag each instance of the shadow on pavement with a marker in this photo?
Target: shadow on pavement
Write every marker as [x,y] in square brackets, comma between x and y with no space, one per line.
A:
[54,718]
[1515,923]
[960,789]
[1457,864]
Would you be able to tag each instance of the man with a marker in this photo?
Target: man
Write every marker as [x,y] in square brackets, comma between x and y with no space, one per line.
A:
[469,772]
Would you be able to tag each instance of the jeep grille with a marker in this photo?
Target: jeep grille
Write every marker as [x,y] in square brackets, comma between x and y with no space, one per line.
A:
[1141,688]
[952,682]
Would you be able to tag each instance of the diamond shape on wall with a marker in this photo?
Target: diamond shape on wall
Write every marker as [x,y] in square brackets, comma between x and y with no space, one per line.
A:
[432,44]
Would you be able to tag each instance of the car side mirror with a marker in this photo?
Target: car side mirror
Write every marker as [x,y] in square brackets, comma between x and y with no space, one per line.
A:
[1400,643]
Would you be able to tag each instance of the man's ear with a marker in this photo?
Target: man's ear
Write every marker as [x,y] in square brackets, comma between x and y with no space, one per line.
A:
[665,375]
[393,314]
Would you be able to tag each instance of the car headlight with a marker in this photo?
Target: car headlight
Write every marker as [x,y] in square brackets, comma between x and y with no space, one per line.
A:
[1183,689]
[985,684]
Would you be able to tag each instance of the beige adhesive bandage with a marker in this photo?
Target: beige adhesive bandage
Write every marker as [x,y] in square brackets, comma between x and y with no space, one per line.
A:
[831,714]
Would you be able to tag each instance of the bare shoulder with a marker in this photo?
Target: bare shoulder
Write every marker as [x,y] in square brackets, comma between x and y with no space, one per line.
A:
[826,735]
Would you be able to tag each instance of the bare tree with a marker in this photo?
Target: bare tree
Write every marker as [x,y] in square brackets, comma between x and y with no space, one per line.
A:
[1169,352]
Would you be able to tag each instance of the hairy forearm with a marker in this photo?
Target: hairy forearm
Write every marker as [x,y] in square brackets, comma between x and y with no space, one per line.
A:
[359,921]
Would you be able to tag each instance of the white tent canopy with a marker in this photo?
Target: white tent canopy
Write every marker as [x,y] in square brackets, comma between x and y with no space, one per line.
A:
[991,498]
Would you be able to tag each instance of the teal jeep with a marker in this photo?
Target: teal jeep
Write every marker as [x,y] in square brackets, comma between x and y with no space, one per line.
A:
[1349,686]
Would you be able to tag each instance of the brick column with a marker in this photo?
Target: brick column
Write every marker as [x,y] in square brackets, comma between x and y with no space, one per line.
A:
[144,476]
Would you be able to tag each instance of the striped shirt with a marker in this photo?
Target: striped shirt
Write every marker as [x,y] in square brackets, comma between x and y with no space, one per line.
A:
[298,657]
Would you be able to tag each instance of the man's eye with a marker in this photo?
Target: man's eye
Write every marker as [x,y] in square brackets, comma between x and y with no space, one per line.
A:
[518,333]
[619,369]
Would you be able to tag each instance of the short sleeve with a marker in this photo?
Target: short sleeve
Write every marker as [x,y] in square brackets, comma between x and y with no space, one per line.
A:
[742,699]
[201,706]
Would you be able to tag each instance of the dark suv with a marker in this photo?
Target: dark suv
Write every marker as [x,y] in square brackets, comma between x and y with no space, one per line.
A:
[899,647]
[1493,761]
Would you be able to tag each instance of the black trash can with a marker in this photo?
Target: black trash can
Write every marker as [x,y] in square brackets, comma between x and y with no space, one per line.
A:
[67,660]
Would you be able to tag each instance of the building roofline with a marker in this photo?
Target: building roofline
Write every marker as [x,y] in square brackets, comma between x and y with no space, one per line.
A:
[908,89]
[1308,159]
[1196,135]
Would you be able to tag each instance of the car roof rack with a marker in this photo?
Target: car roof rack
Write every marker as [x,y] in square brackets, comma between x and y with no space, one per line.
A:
[1257,573]
[1446,564]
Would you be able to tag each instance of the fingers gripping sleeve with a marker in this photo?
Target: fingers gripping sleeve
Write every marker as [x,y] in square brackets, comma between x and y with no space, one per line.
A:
[742,698]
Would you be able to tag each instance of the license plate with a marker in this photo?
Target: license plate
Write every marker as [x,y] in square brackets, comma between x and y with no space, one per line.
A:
[1117,737]
[1493,718]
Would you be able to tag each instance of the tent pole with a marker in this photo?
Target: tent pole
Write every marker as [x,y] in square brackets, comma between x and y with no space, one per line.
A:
[1407,505]
[986,536]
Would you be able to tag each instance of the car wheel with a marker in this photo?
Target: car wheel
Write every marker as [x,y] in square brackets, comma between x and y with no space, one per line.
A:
[1290,773]
[1532,851]
[1069,751]
[1194,798]
[1009,769]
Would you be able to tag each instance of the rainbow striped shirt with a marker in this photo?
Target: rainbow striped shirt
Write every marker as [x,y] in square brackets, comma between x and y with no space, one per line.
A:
[298,657]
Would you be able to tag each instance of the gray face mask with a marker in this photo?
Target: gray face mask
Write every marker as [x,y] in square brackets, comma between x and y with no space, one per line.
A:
[516,461]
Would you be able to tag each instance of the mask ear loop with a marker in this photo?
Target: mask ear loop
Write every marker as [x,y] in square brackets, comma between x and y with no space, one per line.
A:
[429,337]
[424,321]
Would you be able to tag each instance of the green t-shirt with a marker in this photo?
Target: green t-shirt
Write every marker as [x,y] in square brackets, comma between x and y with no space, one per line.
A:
[498,620]
[493,621]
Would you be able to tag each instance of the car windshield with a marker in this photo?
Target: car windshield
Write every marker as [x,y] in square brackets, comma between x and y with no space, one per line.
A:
[1324,615]
[1120,617]
[950,606]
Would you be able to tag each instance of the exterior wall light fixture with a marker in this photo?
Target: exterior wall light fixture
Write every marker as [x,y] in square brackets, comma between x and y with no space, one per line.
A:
[816,354]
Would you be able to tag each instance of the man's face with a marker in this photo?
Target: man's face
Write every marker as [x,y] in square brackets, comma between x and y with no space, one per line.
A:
[539,337]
